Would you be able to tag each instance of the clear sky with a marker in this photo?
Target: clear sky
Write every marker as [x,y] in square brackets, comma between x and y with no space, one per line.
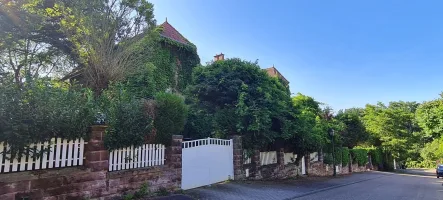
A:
[343,53]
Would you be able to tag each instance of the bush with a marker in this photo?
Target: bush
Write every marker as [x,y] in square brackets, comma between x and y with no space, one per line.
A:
[345,156]
[39,110]
[327,158]
[421,164]
[128,123]
[359,156]
[376,156]
[170,116]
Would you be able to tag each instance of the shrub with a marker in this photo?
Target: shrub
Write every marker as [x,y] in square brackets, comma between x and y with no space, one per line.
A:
[128,124]
[42,109]
[170,116]
[327,158]
[359,156]
[345,156]
[376,156]
[338,155]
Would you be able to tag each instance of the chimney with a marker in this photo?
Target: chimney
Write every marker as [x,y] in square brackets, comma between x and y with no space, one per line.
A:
[218,57]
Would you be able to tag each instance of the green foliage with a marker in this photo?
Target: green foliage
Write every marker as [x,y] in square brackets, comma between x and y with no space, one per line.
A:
[359,156]
[345,156]
[42,109]
[376,156]
[128,124]
[172,62]
[393,127]
[429,116]
[421,164]
[162,191]
[354,131]
[433,151]
[143,191]
[170,116]
[240,98]
[328,159]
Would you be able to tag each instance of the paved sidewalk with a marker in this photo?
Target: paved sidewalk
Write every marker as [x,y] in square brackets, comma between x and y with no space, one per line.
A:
[277,190]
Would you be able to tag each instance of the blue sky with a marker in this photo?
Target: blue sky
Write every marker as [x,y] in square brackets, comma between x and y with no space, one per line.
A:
[343,53]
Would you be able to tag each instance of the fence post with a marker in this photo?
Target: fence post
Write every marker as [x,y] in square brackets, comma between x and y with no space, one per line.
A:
[281,158]
[238,157]
[174,158]
[96,155]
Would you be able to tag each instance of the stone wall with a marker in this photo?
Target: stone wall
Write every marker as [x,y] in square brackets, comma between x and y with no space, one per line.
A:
[255,171]
[320,169]
[93,179]
[356,168]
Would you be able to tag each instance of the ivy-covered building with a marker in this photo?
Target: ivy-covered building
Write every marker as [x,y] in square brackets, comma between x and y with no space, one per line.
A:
[182,56]
[165,60]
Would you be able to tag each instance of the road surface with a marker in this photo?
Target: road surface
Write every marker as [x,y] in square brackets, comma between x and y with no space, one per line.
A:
[361,186]
[407,187]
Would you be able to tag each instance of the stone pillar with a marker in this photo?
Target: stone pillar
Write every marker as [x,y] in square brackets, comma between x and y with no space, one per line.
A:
[281,158]
[174,158]
[350,163]
[307,162]
[255,161]
[96,155]
[238,158]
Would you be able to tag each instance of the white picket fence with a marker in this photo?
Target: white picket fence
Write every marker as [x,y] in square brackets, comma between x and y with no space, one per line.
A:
[56,153]
[137,157]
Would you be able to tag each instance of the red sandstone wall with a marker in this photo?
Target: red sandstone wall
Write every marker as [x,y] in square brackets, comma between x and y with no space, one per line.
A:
[93,180]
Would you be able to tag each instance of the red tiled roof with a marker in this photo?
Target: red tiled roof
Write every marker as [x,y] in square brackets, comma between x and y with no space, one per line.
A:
[171,33]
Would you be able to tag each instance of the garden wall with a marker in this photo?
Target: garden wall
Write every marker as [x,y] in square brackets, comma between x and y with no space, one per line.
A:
[93,179]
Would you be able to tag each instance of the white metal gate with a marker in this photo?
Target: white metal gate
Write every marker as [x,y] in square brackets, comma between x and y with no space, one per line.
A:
[206,161]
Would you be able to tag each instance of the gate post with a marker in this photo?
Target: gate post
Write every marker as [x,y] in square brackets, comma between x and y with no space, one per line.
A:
[238,157]
[96,155]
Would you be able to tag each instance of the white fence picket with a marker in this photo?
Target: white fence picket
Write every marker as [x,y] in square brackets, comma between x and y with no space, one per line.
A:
[37,160]
[56,153]
[82,149]
[45,155]
[23,163]
[76,148]
[137,157]
[7,162]
[143,156]
[63,152]
[30,157]
[162,154]
[69,151]
[51,154]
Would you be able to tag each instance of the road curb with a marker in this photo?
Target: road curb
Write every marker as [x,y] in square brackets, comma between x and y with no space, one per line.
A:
[333,187]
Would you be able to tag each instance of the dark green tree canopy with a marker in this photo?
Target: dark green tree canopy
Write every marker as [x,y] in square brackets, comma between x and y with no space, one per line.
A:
[354,131]
[240,98]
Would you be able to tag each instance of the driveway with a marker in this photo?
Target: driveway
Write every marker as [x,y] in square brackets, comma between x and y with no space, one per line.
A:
[368,185]
[277,190]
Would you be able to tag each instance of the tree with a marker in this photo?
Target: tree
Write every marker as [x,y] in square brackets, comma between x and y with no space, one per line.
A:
[98,35]
[429,116]
[354,131]
[242,99]
[393,127]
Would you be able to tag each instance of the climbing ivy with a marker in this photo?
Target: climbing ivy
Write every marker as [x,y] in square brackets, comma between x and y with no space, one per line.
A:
[170,62]
[359,156]
[345,156]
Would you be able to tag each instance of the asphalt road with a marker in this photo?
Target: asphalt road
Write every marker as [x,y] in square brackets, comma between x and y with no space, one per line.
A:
[396,186]
[361,186]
